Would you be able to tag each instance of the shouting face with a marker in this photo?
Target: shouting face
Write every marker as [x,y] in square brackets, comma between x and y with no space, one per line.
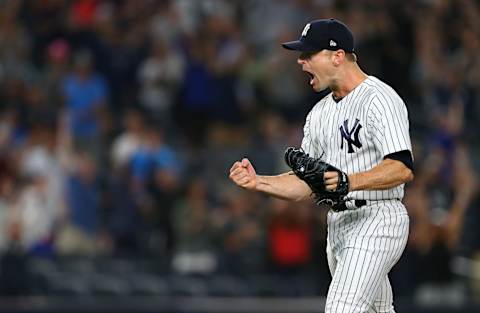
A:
[320,67]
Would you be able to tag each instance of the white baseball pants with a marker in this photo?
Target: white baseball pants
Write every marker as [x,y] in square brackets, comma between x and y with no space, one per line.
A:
[362,247]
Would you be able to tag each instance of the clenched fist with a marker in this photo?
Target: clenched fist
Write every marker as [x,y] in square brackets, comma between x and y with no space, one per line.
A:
[243,174]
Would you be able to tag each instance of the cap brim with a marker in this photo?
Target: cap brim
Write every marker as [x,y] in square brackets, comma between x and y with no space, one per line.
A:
[298,46]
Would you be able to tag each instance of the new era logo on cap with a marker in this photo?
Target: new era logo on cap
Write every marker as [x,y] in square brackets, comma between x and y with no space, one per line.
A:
[317,35]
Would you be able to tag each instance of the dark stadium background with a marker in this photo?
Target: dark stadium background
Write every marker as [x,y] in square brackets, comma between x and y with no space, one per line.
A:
[119,121]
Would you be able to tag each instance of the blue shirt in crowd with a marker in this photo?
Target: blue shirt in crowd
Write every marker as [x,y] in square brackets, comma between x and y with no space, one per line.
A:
[82,99]
[84,202]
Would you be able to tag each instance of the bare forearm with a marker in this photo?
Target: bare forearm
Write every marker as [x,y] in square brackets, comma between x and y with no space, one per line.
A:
[388,174]
[285,186]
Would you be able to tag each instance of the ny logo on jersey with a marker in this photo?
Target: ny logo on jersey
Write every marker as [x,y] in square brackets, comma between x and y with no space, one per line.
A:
[347,135]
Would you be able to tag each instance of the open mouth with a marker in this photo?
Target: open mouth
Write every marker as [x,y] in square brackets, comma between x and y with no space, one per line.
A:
[311,77]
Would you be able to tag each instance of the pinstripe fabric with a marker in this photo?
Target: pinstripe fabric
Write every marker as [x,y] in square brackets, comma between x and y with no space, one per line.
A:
[354,135]
[383,117]
[363,245]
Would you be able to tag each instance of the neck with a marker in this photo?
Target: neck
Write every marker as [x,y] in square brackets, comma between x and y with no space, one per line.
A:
[348,79]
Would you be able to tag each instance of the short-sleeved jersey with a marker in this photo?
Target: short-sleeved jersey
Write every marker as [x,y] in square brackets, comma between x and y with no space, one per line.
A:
[357,132]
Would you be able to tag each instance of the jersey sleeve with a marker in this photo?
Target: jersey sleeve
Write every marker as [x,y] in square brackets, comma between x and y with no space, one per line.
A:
[389,125]
[309,143]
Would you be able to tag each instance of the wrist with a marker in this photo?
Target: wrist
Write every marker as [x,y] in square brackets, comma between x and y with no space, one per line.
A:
[351,182]
[261,182]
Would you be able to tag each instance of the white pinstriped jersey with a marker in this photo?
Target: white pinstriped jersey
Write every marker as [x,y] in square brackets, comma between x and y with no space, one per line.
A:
[356,133]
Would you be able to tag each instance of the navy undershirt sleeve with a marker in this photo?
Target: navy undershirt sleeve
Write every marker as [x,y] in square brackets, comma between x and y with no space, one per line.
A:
[404,156]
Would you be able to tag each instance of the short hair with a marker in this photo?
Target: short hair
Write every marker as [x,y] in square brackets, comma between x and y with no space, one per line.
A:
[352,57]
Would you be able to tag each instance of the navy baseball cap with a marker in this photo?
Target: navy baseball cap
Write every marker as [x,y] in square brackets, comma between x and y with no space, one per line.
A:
[330,34]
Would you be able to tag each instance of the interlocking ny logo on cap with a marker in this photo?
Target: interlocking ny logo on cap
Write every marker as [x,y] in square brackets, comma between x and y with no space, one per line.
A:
[332,43]
[305,30]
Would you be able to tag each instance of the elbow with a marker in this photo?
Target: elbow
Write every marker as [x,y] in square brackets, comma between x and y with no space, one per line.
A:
[408,175]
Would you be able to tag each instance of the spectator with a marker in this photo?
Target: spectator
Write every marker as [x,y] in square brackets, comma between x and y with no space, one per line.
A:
[284,84]
[289,237]
[241,236]
[86,96]
[194,250]
[129,140]
[160,76]
[125,220]
[438,201]
[7,189]
[56,66]
[83,233]
[40,205]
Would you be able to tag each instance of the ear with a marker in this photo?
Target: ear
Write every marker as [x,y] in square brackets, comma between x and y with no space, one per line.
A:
[338,57]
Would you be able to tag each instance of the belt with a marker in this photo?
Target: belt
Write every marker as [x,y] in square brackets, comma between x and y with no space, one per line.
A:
[343,206]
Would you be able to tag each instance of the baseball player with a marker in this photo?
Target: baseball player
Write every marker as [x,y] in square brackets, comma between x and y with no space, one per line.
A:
[359,135]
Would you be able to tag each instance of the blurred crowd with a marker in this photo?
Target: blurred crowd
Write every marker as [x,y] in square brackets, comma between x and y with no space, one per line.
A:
[119,121]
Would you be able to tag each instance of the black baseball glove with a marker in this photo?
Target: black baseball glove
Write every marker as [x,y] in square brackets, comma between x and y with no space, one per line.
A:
[311,171]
